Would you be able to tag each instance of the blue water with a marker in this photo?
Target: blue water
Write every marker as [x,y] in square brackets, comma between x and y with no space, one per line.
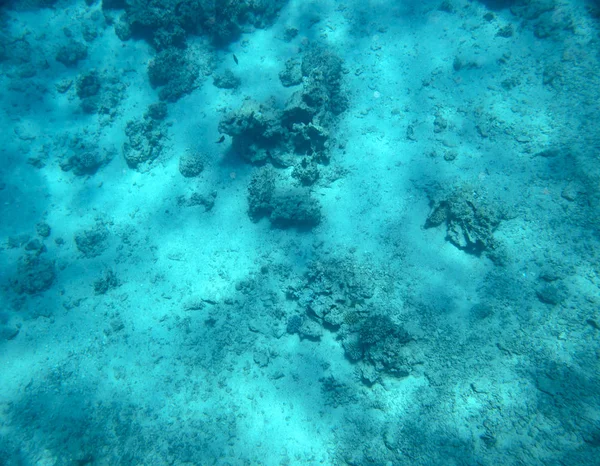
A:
[298,232]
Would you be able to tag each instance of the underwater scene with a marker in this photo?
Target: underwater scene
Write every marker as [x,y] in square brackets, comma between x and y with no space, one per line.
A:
[299,232]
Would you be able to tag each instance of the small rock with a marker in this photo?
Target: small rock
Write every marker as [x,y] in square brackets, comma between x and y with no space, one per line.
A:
[569,192]
[310,330]
[8,332]
[261,357]
[550,294]
[194,304]
[450,156]
[157,111]
[548,153]
[290,33]
[26,131]
[43,229]
[63,85]
[368,375]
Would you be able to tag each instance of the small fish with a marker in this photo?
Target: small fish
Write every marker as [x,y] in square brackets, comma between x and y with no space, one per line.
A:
[235,59]
[221,139]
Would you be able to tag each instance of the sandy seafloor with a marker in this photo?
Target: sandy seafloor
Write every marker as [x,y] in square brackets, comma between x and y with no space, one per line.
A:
[190,358]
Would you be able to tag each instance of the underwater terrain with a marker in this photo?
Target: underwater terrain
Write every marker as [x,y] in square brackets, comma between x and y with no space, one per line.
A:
[299,232]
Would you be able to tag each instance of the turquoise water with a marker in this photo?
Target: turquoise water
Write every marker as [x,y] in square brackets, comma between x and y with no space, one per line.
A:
[299,232]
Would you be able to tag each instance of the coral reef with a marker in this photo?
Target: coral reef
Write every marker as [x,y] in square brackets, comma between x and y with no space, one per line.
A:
[93,241]
[71,53]
[175,74]
[35,274]
[145,138]
[285,206]
[191,164]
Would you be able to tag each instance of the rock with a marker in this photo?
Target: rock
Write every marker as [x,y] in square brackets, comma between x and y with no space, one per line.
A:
[505,31]
[255,129]
[470,221]
[307,171]
[294,208]
[297,111]
[86,162]
[528,9]
[198,199]
[292,75]
[260,192]
[309,138]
